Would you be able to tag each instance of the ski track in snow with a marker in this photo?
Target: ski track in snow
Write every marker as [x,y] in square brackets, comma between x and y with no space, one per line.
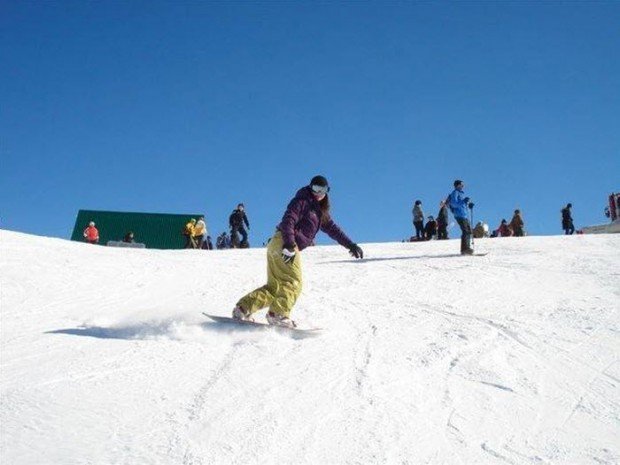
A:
[428,357]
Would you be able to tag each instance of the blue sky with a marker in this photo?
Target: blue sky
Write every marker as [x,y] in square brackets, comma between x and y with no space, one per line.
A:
[180,107]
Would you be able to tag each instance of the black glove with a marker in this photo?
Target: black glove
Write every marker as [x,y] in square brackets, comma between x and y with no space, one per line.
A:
[356,251]
[470,205]
[288,255]
[466,199]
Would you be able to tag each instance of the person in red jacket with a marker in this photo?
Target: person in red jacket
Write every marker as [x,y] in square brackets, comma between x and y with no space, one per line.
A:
[91,234]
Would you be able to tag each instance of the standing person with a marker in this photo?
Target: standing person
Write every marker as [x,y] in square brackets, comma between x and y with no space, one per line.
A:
[129,238]
[418,220]
[516,224]
[236,221]
[306,214]
[442,221]
[567,219]
[459,204]
[430,230]
[91,233]
[200,231]
[188,232]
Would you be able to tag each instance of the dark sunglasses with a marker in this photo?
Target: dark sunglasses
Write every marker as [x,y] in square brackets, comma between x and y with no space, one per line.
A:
[319,189]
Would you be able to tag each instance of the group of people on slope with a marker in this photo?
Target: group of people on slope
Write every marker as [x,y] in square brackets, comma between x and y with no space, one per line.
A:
[197,237]
[91,234]
[195,233]
[516,227]
[433,228]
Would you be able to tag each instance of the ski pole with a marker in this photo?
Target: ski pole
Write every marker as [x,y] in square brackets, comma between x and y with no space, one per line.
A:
[471,225]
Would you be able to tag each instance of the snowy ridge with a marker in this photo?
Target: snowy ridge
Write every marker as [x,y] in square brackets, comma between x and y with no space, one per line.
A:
[429,357]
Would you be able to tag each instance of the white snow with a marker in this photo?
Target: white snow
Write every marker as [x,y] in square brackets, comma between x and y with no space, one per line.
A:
[428,357]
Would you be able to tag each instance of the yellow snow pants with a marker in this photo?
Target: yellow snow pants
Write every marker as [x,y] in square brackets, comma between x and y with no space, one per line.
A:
[283,282]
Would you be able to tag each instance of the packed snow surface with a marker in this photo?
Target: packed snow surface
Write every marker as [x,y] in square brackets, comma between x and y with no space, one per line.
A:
[426,357]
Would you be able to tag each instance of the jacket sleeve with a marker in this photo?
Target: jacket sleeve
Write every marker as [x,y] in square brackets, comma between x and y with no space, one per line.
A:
[245,220]
[333,230]
[289,220]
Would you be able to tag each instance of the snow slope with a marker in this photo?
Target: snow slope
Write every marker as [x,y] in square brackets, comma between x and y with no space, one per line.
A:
[429,357]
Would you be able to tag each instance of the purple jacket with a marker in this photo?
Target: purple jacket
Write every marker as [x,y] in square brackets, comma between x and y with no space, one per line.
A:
[301,222]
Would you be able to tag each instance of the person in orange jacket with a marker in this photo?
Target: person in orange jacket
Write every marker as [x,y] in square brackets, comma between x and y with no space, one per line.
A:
[91,234]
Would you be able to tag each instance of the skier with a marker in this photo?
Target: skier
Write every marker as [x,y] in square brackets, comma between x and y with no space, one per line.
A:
[442,221]
[418,220]
[458,206]
[567,219]
[306,213]
[236,221]
[91,233]
[517,224]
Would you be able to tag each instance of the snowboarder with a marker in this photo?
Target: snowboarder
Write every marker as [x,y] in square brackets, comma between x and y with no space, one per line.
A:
[567,219]
[306,214]
[442,221]
[236,221]
[459,204]
[418,220]
[516,224]
[91,233]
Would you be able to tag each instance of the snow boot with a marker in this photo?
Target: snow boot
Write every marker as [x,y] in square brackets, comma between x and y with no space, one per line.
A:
[240,314]
[280,320]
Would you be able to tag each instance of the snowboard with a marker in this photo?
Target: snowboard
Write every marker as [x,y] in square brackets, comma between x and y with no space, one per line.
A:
[295,332]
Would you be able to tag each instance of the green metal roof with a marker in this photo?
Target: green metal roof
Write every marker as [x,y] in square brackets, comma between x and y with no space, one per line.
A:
[155,230]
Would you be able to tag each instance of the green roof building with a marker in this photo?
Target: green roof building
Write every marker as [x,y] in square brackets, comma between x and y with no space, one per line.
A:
[155,230]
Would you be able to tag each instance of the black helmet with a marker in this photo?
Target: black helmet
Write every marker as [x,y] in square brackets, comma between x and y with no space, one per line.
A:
[319,181]
[457,183]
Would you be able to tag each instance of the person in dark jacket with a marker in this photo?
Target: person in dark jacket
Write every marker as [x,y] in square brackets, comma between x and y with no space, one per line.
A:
[459,203]
[442,221]
[430,230]
[236,222]
[418,220]
[306,214]
[567,219]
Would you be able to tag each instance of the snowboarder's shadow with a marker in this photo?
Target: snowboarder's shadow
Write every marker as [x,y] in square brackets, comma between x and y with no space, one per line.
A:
[136,331]
[385,259]
[101,332]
